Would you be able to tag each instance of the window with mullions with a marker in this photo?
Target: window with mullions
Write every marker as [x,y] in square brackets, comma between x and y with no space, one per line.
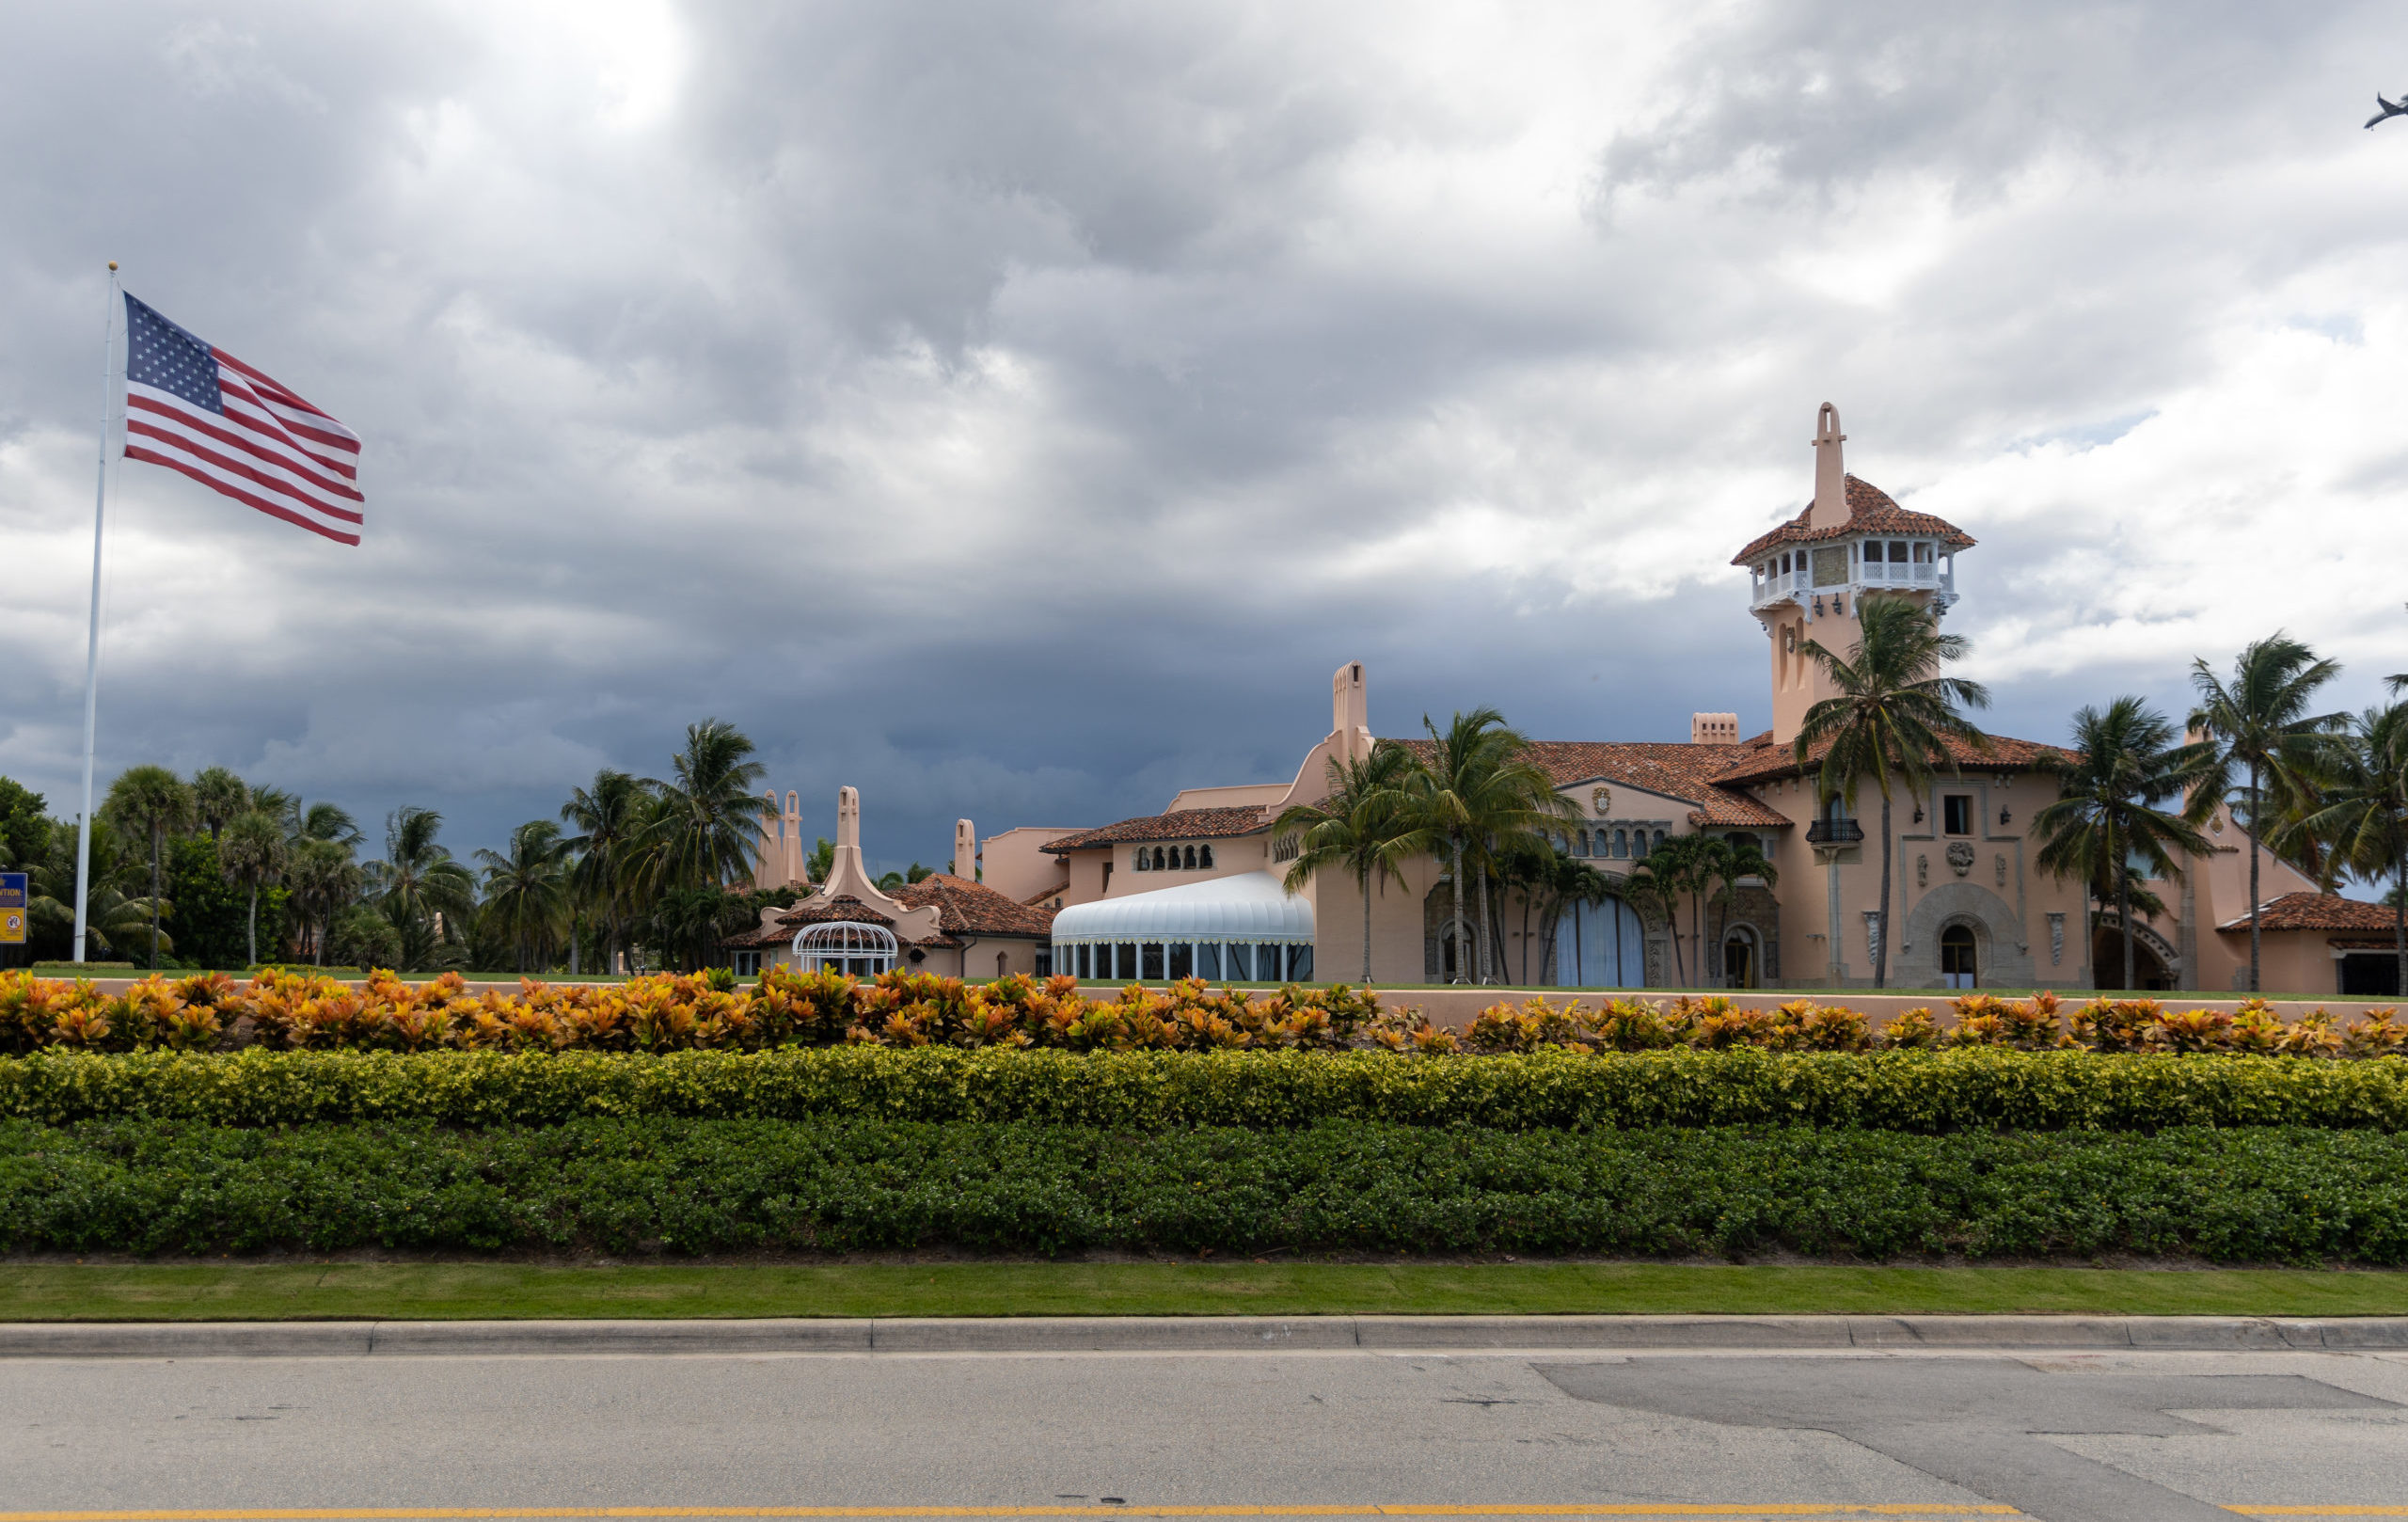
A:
[1957,814]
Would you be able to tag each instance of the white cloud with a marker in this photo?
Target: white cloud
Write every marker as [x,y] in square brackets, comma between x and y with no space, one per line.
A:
[1019,410]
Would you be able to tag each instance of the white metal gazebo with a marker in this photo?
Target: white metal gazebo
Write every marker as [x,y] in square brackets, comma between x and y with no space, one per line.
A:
[847,946]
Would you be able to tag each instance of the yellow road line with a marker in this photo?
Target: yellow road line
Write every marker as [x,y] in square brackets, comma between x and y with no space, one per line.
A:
[462,1513]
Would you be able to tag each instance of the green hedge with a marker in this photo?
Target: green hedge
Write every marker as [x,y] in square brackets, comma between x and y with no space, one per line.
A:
[1968,1089]
[149,1186]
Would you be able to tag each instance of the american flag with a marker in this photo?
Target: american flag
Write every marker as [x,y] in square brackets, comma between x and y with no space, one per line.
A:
[195,409]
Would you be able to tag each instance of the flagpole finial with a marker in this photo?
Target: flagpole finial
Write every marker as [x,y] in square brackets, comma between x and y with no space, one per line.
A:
[112,264]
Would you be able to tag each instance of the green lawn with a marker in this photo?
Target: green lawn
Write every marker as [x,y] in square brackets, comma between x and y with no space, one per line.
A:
[428,1291]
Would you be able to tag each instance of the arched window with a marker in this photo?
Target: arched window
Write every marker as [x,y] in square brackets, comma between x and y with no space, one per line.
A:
[1207,857]
[1622,844]
[1638,844]
[1143,863]
[1191,858]
[1659,840]
[1584,843]
[1158,860]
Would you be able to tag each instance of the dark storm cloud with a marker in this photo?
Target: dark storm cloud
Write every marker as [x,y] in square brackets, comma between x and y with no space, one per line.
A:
[1019,410]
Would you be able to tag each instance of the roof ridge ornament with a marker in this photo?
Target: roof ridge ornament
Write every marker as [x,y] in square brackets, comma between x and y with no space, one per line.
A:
[1831,509]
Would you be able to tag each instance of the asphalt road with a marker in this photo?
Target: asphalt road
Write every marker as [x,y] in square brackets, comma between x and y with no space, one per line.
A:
[2072,1437]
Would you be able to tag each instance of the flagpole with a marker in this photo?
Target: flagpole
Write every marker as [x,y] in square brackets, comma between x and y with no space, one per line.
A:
[92,640]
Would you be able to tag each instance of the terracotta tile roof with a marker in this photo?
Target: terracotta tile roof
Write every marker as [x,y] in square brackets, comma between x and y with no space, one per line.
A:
[1675,769]
[1760,760]
[1870,510]
[1037,898]
[2315,912]
[1179,824]
[829,912]
[967,907]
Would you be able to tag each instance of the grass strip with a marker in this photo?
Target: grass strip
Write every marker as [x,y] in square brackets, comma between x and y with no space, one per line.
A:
[1958,1090]
[652,1185]
[505,1291]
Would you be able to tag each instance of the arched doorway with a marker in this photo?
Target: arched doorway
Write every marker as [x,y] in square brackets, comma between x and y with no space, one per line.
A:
[1959,958]
[1739,961]
[1601,946]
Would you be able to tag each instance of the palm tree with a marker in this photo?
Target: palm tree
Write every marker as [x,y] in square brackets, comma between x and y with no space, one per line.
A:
[705,832]
[2366,813]
[2126,763]
[113,919]
[1720,862]
[1556,881]
[2259,724]
[324,882]
[1478,790]
[418,883]
[1364,826]
[611,819]
[154,802]
[527,891]
[1647,890]
[251,850]
[1892,718]
[217,797]
[1671,872]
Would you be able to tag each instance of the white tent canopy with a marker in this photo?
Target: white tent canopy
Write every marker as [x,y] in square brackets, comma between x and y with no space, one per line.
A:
[1245,927]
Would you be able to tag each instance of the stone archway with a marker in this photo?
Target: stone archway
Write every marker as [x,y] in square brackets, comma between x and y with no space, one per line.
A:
[2002,954]
[2157,967]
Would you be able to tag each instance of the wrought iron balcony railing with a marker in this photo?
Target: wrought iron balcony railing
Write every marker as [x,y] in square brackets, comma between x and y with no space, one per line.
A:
[1834,832]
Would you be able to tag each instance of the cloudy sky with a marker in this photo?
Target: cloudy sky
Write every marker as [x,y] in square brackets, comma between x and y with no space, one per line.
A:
[1018,410]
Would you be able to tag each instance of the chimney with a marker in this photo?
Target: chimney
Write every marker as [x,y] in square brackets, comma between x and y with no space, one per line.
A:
[1714,729]
[1830,474]
[965,850]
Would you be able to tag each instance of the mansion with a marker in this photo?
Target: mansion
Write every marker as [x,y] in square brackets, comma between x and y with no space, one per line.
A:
[1195,890]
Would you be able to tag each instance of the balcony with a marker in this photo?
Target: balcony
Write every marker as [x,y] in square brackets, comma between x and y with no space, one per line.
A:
[1852,570]
[1834,832]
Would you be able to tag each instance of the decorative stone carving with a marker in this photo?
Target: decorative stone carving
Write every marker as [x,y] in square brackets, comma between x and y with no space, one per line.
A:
[1960,856]
[1922,869]
[1600,801]
[2001,869]
[2056,938]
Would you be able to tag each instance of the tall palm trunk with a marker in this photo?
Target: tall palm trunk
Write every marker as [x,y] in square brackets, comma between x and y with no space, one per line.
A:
[1482,933]
[252,929]
[1708,974]
[2124,918]
[1673,923]
[1364,882]
[1526,936]
[1460,950]
[1881,909]
[2400,930]
[2257,823]
[155,834]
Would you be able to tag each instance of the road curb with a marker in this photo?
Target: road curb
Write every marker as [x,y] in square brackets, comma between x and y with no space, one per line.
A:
[1191,1334]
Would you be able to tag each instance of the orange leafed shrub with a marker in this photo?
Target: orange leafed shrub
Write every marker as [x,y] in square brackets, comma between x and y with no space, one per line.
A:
[666,1012]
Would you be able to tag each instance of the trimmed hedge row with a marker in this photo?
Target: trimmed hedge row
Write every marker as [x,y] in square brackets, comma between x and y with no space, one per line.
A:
[1955,1090]
[688,1186]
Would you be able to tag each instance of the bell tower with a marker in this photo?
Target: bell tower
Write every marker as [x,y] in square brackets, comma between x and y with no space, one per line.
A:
[1808,578]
